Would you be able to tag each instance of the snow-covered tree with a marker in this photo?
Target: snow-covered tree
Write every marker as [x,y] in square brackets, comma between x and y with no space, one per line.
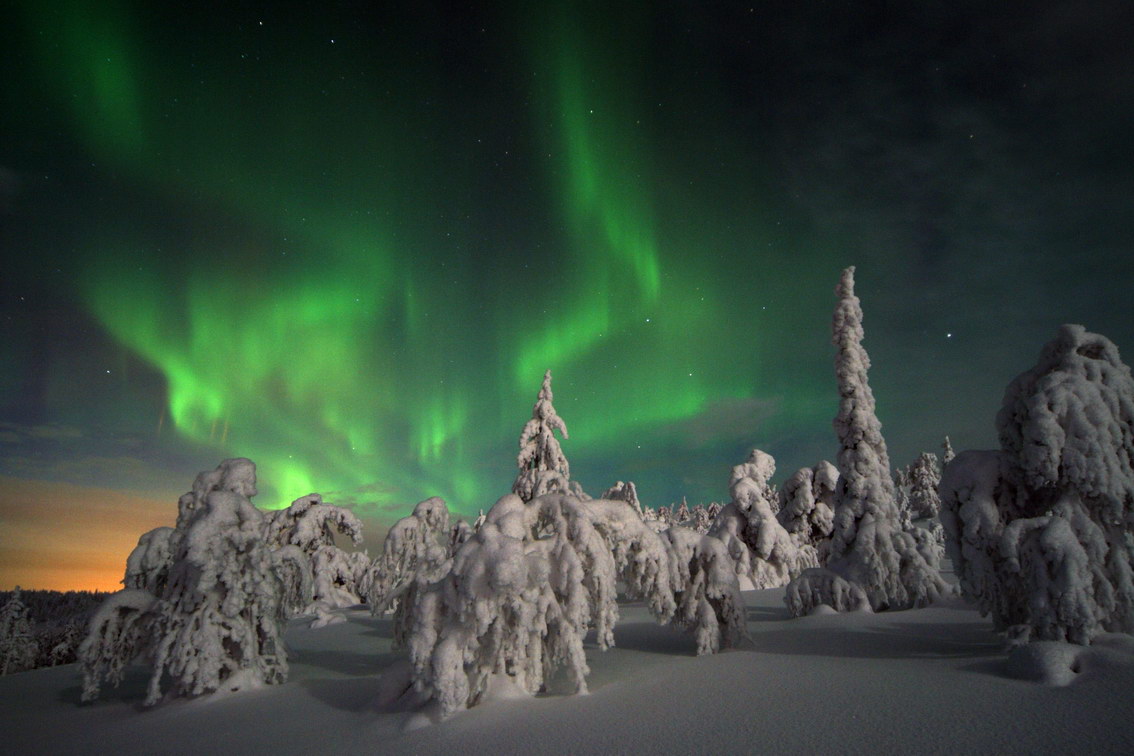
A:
[217,622]
[1042,532]
[517,604]
[538,576]
[869,547]
[700,520]
[681,514]
[310,524]
[626,492]
[947,452]
[805,506]
[543,467]
[764,553]
[706,590]
[18,648]
[148,565]
[417,551]
[924,478]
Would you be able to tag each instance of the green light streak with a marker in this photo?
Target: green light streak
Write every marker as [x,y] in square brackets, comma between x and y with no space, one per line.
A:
[334,310]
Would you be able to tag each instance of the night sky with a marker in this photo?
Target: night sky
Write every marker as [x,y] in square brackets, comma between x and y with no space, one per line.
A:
[347,242]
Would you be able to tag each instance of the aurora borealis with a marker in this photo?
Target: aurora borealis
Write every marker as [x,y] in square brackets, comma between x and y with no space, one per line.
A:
[347,242]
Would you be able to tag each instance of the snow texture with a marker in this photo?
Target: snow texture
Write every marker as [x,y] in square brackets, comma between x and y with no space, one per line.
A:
[869,546]
[119,631]
[933,680]
[1042,532]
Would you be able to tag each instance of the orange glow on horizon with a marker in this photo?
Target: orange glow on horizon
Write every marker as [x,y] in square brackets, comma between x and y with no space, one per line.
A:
[65,537]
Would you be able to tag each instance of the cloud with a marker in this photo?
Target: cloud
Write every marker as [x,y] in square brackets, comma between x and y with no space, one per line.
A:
[726,421]
[14,433]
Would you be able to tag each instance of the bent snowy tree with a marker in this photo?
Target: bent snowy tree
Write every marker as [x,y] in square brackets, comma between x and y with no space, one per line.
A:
[208,599]
[1042,532]
[536,577]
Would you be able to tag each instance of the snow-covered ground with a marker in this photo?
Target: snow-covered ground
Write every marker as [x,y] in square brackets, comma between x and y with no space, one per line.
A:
[923,681]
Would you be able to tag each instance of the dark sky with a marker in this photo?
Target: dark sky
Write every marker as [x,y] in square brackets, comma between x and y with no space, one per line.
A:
[347,242]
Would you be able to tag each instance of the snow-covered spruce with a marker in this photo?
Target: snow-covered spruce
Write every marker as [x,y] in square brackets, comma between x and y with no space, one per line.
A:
[807,506]
[947,452]
[543,467]
[218,619]
[924,478]
[310,524]
[763,552]
[869,547]
[417,551]
[18,648]
[1042,532]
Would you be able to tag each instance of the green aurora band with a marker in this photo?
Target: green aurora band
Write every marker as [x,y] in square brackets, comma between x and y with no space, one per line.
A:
[342,316]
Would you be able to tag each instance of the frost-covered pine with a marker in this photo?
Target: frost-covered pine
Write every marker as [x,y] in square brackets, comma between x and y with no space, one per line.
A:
[924,477]
[764,553]
[700,520]
[947,452]
[543,467]
[526,589]
[805,506]
[310,524]
[1042,532]
[869,547]
[417,551]
[18,648]
[626,492]
[681,514]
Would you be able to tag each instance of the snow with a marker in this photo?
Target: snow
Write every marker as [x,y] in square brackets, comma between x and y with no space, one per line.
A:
[931,680]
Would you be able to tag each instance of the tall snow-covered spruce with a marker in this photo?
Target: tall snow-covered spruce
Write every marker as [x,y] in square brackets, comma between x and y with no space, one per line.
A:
[1042,532]
[543,467]
[871,556]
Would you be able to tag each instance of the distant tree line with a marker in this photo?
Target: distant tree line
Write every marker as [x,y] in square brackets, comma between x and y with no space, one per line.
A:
[43,628]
